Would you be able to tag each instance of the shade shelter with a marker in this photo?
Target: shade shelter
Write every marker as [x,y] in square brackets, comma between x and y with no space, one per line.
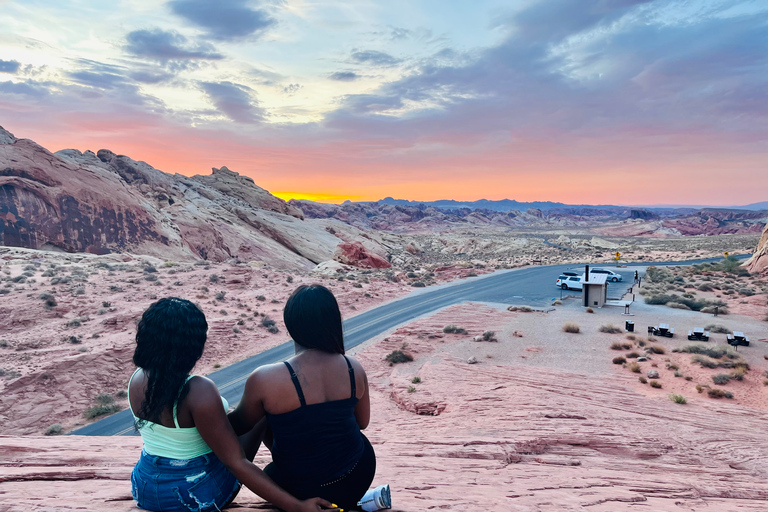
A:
[595,291]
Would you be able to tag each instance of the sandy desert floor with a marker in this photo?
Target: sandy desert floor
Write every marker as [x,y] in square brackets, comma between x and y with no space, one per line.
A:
[543,421]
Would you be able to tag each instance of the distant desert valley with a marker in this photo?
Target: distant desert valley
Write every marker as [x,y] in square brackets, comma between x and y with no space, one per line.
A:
[535,403]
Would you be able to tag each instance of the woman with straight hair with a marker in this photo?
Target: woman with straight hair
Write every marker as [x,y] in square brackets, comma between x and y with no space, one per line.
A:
[316,404]
[191,459]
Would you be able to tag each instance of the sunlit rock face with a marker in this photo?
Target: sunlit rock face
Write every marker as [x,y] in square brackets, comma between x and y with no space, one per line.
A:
[102,203]
[759,260]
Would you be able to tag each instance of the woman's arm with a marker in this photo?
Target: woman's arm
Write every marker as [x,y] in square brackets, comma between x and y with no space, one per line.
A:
[211,421]
[250,410]
[363,407]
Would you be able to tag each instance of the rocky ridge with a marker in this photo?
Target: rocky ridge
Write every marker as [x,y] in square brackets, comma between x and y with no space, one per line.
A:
[759,260]
[103,203]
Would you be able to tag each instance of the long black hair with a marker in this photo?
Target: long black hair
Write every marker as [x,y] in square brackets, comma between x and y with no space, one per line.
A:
[313,319]
[170,339]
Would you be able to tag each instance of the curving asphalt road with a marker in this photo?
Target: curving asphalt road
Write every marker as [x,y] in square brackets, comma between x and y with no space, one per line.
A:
[534,286]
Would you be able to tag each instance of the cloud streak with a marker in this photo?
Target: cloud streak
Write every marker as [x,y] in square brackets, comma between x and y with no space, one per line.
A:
[224,20]
[163,46]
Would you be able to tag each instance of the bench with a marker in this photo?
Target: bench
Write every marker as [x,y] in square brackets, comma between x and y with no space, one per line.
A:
[737,339]
[698,334]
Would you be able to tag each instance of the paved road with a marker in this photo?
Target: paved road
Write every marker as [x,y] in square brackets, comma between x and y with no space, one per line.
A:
[534,286]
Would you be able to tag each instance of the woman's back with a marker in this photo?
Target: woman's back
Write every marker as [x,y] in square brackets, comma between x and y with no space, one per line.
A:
[312,415]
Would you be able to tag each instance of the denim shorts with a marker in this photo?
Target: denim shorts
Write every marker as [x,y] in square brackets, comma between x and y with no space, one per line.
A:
[202,484]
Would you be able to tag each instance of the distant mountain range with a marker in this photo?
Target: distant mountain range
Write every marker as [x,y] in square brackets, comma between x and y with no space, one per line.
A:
[505,205]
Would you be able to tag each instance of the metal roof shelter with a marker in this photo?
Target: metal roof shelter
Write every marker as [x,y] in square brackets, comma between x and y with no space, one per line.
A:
[595,291]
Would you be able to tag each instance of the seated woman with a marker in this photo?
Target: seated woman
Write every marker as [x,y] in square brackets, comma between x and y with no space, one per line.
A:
[316,403]
[191,458]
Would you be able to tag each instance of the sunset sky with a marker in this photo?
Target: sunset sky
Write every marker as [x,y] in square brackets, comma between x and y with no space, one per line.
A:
[578,101]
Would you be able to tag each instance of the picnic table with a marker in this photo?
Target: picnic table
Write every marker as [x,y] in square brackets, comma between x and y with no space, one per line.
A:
[737,338]
[661,330]
[699,334]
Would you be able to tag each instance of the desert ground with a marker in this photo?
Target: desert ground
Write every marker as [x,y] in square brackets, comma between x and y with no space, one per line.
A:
[536,419]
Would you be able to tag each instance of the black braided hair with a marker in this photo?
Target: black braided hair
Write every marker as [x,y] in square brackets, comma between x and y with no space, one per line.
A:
[169,340]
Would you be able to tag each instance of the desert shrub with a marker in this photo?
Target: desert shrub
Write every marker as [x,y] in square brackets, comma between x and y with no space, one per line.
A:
[489,336]
[411,275]
[416,380]
[635,368]
[617,346]
[631,337]
[261,298]
[150,277]
[590,310]
[721,379]
[122,394]
[678,373]
[213,278]
[721,310]
[273,329]
[705,287]
[715,352]
[105,404]
[717,328]
[611,329]
[417,284]
[677,305]
[75,322]
[148,269]
[571,327]
[411,389]
[746,291]
[221,295]
[656,384]
[267,322]
[115,288]
[452,329]
[641,343]
[54,430]
[657,349]
[738,373]
[642,380]
[398,356]
[671,366]
[678,399]
[48,300]
[619,360]
[719,393]
[633,355]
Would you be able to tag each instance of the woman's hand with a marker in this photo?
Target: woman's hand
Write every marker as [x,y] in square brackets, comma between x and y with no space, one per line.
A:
[317,505]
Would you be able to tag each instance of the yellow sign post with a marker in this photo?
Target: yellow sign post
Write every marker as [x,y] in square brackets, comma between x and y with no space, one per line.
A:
[726,254]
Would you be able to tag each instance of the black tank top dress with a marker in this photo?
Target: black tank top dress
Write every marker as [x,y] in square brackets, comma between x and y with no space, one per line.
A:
[319,451]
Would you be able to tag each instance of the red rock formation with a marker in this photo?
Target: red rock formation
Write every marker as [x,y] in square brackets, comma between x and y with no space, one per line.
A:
[759,260]
[355,254]
[103,202]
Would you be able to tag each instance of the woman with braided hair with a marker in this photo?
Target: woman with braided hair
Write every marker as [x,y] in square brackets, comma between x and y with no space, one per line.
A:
[191,460]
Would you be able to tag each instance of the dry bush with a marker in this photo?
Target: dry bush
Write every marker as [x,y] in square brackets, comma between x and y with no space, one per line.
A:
[398,356]
[571,327]
[656,384]
[658,349]
[635,368]
[610,329]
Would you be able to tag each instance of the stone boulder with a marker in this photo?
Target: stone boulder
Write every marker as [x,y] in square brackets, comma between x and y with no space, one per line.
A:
[759,261]
[356,255]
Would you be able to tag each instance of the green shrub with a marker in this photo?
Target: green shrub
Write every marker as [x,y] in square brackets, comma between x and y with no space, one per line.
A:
[678,399]
[452,329]
[54,430]
[213,278]
[416,380]
[677,305]
[398,356]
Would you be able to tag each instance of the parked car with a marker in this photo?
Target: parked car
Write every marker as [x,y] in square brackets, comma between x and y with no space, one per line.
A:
[610,274]
[570,282]
[571,273]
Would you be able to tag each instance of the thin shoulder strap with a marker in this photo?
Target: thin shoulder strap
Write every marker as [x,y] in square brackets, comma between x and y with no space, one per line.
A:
[296,384]
[351,377]
[176,403]
[129,389]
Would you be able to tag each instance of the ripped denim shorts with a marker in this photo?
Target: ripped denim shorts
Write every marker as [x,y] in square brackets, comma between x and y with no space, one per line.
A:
[202,484]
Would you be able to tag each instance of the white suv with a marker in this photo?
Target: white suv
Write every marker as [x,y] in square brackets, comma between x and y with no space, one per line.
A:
[570,282]
[610,274]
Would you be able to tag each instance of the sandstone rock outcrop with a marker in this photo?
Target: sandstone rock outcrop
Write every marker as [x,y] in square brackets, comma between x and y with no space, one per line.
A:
[759,260]
[103,202]
[355,254]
